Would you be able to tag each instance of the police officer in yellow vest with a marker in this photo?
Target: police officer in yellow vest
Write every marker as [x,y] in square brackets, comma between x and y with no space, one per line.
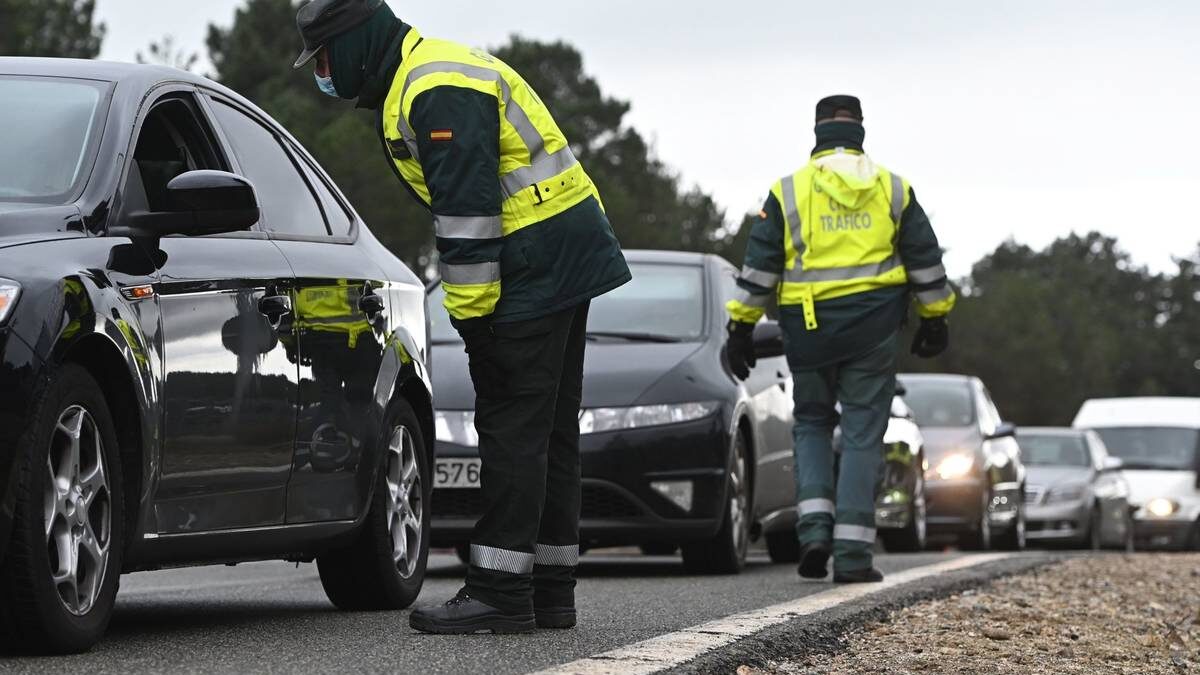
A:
[842,244]
[524,245]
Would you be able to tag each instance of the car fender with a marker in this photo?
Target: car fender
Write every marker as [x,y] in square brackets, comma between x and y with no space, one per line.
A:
[402,373]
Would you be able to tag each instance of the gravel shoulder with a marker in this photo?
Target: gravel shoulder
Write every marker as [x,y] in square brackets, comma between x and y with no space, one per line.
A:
[1108,613]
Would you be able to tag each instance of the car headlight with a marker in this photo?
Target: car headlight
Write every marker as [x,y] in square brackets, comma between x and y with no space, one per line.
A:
[456,426]
[1162,508]
[1066,493]
[9,292]
[599,420]
[953,466]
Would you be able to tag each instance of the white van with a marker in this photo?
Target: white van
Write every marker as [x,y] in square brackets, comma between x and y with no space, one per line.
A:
[1158,441]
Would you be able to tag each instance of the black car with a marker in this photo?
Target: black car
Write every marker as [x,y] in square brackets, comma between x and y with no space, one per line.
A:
[675,452]
[205,356]
[975,481]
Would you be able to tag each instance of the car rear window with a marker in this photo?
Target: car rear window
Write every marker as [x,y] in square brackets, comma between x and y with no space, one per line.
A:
[1148,448]
[940,403]
[50,131]
[1054,450]
[663,300]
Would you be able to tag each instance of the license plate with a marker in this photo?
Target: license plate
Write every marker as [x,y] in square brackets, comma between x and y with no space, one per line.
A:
[456,473]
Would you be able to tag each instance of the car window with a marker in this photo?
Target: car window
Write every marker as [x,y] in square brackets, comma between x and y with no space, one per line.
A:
[663,299]
[54,120]
[1148,448]
[1054,450]
[288,205]
[172,140]
[945,403]
[335,213]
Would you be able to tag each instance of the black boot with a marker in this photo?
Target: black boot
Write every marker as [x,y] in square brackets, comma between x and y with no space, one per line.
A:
[813,560]
[869,575]
[464,615]
[555,617]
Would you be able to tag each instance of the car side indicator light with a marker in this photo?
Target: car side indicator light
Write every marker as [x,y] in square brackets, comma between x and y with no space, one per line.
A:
[140,292]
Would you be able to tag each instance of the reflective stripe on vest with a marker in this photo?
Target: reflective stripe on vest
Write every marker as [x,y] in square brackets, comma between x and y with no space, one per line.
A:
[768,280]
[543,166]
[470,275]
[927,275]
[468,227]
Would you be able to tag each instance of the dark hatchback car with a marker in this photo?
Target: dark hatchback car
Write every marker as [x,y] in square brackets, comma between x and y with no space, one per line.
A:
[975,483]
[675,452]
[205,356]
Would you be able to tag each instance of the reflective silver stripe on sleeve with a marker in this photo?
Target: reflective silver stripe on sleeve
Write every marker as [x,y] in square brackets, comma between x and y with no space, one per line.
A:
[468,227]
[808,506]
[935,296]
[543,168]
[557,556]
[752,299]
[791,209]
[897,199]
[409,136]
[501,560]
[843,273]
[470,275]
[760,277]
[854,533]
[927,275]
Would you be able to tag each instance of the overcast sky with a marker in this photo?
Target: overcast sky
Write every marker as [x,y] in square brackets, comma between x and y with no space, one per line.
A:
[1025,119]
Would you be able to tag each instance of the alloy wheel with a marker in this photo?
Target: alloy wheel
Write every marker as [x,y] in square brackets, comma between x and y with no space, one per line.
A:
[78,510]
[738,501]
[919,513]
[406,501]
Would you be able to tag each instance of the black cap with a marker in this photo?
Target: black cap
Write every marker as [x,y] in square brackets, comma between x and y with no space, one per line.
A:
[832,106]
[321,20]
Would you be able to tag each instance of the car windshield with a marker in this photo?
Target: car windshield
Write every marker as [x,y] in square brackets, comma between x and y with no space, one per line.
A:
[49,127]
[944,403]
[1054,450]
[663,303]
[1153,447]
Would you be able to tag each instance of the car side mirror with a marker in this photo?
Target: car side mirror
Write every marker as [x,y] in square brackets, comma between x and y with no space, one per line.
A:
[1005,430]
[1112,464]
[768,339]
[901,390]
[201,202]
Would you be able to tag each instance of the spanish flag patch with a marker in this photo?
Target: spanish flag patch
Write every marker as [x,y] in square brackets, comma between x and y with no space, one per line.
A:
[441,135]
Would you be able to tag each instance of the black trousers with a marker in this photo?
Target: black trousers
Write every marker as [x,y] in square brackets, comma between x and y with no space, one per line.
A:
[528,379]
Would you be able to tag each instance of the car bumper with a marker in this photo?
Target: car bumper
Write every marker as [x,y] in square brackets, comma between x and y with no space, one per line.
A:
[954,505]
[1154,533]
[1057,522]
[625,475]
[19,370]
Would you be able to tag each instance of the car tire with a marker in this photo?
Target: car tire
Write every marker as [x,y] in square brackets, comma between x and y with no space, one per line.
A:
[979,538]
[783,546]
[1013,538]
[1094,540]
[726,552]
[911,538]
[1194,544]
[379,570]
[68,462]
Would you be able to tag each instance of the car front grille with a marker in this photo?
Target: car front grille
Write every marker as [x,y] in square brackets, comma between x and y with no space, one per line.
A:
[599,502]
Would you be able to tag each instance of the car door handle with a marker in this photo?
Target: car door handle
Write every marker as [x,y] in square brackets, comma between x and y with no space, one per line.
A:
[275,307]
[371,305]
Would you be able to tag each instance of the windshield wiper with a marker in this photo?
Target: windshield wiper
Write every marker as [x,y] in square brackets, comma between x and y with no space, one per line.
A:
[632,337]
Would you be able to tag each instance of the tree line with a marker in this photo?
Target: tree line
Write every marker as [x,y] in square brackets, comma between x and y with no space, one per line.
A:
[1045,329]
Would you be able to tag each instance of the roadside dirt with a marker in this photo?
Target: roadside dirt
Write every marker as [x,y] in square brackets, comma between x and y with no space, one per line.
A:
[1105,614]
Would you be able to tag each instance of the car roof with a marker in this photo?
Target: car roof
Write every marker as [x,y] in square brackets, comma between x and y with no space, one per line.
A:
[1139,412]
[139,75]
[676,257]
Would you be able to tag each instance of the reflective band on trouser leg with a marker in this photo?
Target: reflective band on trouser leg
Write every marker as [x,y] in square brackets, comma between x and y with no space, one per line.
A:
[808,506]
[768,280]
[558,556]
[501,560]
[468,227]
[927,275]
[467,275]
[854,533]
[897,199]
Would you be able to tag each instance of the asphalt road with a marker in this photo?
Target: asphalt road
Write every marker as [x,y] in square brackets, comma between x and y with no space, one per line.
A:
[273,617]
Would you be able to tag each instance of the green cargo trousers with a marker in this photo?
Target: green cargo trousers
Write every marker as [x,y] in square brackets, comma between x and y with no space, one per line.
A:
[842,511]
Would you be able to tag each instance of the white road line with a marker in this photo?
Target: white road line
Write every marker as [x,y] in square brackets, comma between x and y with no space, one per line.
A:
[674,649]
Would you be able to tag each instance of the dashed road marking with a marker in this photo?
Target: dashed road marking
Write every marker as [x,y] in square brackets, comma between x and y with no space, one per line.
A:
[674,649]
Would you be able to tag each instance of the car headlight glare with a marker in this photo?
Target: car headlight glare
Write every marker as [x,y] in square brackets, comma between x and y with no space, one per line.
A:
[9,292]
[1162,508]
[954,466]
[1066,493]
[600,420]
[456,426]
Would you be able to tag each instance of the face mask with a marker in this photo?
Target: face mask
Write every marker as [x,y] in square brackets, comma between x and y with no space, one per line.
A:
[325,84]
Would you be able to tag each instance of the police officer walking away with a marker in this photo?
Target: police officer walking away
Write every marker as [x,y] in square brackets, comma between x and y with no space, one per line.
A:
[843,243]
[524,246]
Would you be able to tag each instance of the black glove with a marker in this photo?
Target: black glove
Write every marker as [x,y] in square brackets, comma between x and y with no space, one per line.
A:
[933,337]
[739,348]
